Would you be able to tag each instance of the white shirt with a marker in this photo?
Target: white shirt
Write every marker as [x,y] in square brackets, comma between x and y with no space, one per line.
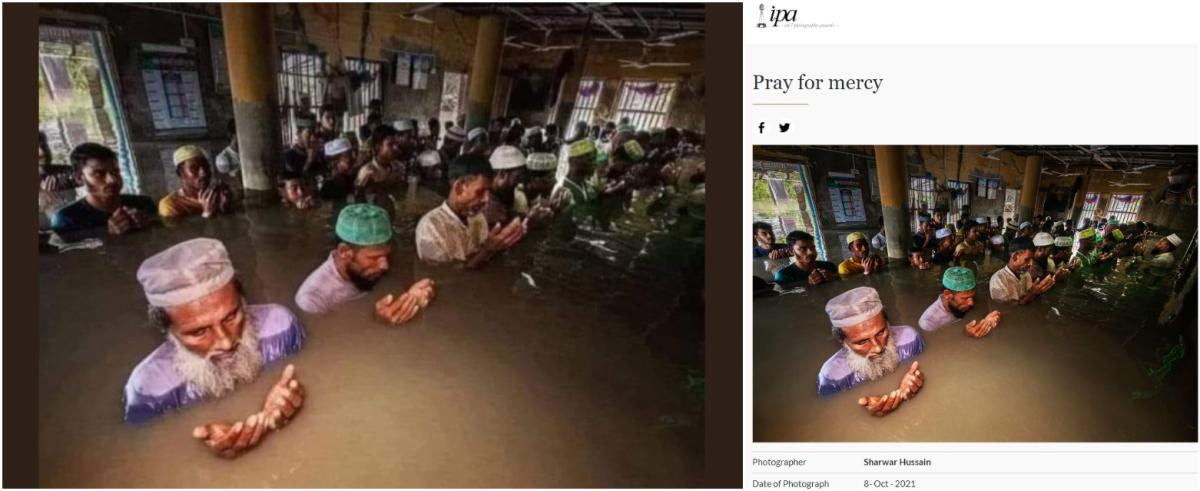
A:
[1006,286]
[325,289]
[228,161]
[442,237]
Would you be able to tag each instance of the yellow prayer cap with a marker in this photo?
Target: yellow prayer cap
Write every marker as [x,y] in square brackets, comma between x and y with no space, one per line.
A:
[581,147]
[186,152]
[855,236]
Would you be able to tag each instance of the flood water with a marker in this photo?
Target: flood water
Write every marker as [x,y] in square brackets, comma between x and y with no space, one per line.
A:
[590,375]
[1073,366]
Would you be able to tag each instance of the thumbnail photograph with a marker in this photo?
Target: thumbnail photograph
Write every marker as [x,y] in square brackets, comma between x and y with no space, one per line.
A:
[371,245]
[974,293]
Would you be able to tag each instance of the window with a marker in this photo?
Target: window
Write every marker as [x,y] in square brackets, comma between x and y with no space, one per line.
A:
[301,75]
[645,103]
[960,196]
[921,196]
[77,102]
[782,198]
[1124,207]
[1090,201]
[454,96]
[370,76]
[586,101]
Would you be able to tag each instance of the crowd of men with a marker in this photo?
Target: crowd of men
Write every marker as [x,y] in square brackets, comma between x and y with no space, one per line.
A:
[1037,255]
[497,183]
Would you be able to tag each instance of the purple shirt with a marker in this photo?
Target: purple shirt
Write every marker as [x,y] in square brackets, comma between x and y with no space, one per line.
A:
[155,386]
[325,289]
[836,375]
[936,316]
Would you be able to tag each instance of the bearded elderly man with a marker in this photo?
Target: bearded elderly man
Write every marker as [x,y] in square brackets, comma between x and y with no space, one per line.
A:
[456,231]
[871,348]
[958,297]
[364,234]
[215,342]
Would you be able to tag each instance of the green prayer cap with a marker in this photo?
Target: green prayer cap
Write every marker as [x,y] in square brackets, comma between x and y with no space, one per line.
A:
[1087,233]
[633,149]
[1118,234]
[364,225]
[958,279]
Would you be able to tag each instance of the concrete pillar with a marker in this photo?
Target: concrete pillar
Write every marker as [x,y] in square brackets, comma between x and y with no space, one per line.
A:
[893,193]
[485,64]
[569,89]
[252,57]
[1077,203]
[1029,188]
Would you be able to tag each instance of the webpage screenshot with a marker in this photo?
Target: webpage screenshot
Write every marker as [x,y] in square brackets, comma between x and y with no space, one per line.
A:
[973,245]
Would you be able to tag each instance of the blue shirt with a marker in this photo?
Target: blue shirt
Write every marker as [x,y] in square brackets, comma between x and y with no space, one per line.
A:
[760,251]
[80,215]
[836,375]
[155,386]
[792,273]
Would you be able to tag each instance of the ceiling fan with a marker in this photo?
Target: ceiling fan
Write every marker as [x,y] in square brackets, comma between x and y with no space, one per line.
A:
[1124,184]
[991,154]
[642,63]
[415,14]
[538,48]
[652,39]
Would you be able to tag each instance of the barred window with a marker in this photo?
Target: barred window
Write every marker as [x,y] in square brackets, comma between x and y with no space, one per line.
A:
[586,101]
[645,102]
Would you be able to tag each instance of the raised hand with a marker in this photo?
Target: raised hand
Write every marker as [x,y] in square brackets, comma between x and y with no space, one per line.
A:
[284,399]
[882,405]
[120,222]
[423,290]
[398,309]
[230,441]
[912,382]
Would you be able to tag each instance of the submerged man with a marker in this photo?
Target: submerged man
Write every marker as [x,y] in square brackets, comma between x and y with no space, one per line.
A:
[958,297]
[871,348]
[1013,282]
[457,231]
[197,195]
[1043,260]
[360,259]
[215,343]
[971,246]
[764,242]
[944,252]
[1162,257]
[104,204]
[508,171]
[805,267]
[861,259]
[1085,255]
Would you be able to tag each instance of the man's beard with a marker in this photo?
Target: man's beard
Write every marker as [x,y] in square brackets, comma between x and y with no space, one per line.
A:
[954,310]
[360,281]
[212,377]
[883,364]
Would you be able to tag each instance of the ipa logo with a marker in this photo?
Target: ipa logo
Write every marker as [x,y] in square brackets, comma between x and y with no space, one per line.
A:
[777,15]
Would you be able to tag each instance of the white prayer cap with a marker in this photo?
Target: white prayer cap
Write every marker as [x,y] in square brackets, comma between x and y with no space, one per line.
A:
[981,220]
[942,233]
[1174,239]
[1062,241]
[185,272]
[337,146]
[997,239]
[541,161]
[403,125]
[854,307]
[1043,239]
[429,158]
[506,157]
[1025,225]
[476,133]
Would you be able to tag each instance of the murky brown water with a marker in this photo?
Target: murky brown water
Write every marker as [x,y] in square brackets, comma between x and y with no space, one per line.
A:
[1070,367]
[498,384]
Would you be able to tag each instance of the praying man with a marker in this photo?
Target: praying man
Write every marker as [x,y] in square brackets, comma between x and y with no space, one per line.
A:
[958,297]
[871,348]
[215,342]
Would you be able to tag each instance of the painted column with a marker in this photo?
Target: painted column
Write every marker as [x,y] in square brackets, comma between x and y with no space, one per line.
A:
[893,193]
[569,89]
[252,57]
[485,65]
[1029,188]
